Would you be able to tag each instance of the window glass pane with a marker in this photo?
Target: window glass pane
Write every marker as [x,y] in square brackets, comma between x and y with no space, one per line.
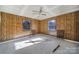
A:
[26,25]
[52,25]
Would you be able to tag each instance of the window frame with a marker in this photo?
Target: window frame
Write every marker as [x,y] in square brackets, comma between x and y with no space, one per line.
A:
[54,26]
[27,25]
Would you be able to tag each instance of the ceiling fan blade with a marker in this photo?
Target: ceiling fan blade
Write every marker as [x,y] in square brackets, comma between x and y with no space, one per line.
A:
[43,14]
[34,11]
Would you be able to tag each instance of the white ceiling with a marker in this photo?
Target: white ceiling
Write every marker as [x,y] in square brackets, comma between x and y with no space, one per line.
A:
[26,10]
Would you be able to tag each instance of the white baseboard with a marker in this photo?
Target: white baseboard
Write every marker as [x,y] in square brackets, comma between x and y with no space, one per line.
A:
[71,41]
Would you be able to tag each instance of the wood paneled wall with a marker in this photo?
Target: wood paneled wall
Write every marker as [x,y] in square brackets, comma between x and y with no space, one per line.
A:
[35,25]
[44,27]
[70,25]
[0,27]
[66,23]
[11,26]
[77,25]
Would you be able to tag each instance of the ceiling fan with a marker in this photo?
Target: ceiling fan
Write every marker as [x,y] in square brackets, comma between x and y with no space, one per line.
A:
[40,12]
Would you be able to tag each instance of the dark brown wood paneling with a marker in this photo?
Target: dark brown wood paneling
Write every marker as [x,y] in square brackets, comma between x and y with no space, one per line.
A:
[77,25]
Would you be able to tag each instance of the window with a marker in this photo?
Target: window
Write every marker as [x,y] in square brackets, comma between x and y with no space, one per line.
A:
[26,25]
[52,25]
